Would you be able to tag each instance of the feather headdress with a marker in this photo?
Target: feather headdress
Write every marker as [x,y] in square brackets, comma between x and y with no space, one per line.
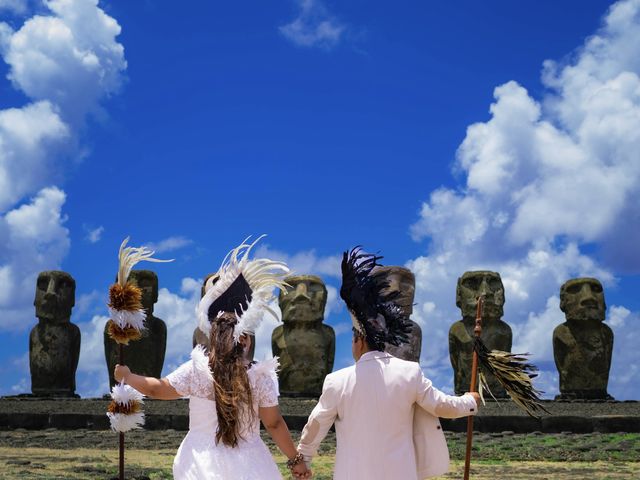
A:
[374,312]
[125,299]
[125,410]
[241,286]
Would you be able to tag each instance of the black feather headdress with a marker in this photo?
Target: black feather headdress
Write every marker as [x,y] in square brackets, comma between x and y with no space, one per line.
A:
[374,312]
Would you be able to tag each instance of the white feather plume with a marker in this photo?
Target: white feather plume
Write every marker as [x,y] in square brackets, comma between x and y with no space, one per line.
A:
[127,318]
[123,423]
[124,395]
[128,257]
[268,367]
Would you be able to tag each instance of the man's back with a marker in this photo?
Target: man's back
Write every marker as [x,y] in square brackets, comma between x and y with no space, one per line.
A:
[373,404]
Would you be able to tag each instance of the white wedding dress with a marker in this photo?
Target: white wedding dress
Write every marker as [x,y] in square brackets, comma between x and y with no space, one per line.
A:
[199,458]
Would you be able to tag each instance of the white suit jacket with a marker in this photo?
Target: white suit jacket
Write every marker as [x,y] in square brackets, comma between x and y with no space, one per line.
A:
[386,416]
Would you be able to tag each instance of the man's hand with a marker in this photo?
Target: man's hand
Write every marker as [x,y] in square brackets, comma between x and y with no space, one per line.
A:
[476,397]
[301,471]
[121,372]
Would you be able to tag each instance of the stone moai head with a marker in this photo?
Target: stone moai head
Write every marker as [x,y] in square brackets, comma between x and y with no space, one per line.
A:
[401,280]
[55,296]
[304,300]
[582,299]
[473,284]
[147,281]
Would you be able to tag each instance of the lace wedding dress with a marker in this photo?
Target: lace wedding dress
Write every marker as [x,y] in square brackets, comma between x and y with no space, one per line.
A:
[199,458]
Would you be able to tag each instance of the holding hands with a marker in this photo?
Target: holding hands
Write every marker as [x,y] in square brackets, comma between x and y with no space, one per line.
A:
[298,467]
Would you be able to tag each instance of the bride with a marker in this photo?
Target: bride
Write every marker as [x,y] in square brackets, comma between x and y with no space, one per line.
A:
[228,395]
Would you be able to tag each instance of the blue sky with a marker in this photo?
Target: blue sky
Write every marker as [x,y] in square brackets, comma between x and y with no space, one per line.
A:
[449,136]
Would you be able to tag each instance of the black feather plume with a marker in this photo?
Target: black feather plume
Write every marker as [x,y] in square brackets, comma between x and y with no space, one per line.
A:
[365,295]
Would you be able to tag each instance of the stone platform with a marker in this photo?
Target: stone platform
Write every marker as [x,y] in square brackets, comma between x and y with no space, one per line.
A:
[564,416]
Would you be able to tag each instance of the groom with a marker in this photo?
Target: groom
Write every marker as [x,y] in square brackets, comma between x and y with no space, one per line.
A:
[384,409]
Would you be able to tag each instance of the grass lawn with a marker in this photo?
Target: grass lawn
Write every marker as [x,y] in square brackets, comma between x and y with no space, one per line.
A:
[155,464]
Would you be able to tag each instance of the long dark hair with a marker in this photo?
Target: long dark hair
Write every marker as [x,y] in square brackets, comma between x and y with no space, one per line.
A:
[234,401]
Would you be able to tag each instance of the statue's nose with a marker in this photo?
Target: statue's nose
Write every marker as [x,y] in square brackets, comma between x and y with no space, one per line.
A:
[300,292]
[484,288]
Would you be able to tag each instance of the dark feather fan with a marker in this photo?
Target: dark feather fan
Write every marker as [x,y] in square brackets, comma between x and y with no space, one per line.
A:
[376,312]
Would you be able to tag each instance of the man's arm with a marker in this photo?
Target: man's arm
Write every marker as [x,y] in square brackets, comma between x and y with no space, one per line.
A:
[442,405]
[320,420]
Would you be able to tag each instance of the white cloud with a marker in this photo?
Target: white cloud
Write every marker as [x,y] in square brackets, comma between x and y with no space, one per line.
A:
[70,58]
[314,26]
[33,239]
[15,6]
[66,62]
[169,244]
[94,235]
[543,179]
[306,262]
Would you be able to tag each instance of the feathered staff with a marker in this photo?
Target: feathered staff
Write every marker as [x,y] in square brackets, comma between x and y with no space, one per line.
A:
[512,372]
[127,321]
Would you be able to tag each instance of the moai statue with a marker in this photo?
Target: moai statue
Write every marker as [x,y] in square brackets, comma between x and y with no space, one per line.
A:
[582,345]
[496,334]
[146,355]
[54,343]
[403,281]
[305,345]
[200,338]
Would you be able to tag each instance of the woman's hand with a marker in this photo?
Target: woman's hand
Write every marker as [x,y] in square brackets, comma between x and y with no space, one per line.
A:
[301,471]
[120,372]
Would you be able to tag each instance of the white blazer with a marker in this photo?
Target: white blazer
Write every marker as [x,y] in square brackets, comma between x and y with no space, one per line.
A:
[386,416]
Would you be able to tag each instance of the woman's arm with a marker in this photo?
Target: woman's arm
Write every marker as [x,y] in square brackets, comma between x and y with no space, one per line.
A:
[158,388]
[276,426]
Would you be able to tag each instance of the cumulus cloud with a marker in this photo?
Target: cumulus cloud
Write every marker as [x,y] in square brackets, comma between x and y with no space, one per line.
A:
[93,235]
[15,6]
[65,60]
[543,179]
[70,57]
[169,244]
[34,239]
[314,26]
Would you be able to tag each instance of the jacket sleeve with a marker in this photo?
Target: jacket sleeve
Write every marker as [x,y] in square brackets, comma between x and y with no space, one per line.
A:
[440,404]
[320,420]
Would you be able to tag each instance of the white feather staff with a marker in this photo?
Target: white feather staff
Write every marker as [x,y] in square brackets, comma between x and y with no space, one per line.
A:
[125,325]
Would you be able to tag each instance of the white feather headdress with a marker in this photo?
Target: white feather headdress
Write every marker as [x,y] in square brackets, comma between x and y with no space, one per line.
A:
[262,276]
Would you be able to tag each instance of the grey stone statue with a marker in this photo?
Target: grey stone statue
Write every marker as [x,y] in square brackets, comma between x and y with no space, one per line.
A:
[54,343]
[582,345]
[305,345]
[403,280]
[200,338]
[144,356]
[496,334]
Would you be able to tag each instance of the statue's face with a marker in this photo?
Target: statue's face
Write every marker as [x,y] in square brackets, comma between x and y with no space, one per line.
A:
[400,280]
[583,299]
[304,301]
[55,296]
[473,284]
[147,281]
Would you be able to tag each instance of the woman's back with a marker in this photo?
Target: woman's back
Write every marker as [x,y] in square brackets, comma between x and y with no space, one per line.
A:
[199,457]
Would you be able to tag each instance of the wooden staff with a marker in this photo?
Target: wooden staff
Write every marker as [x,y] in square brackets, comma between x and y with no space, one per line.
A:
[121,434]
[477,331]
